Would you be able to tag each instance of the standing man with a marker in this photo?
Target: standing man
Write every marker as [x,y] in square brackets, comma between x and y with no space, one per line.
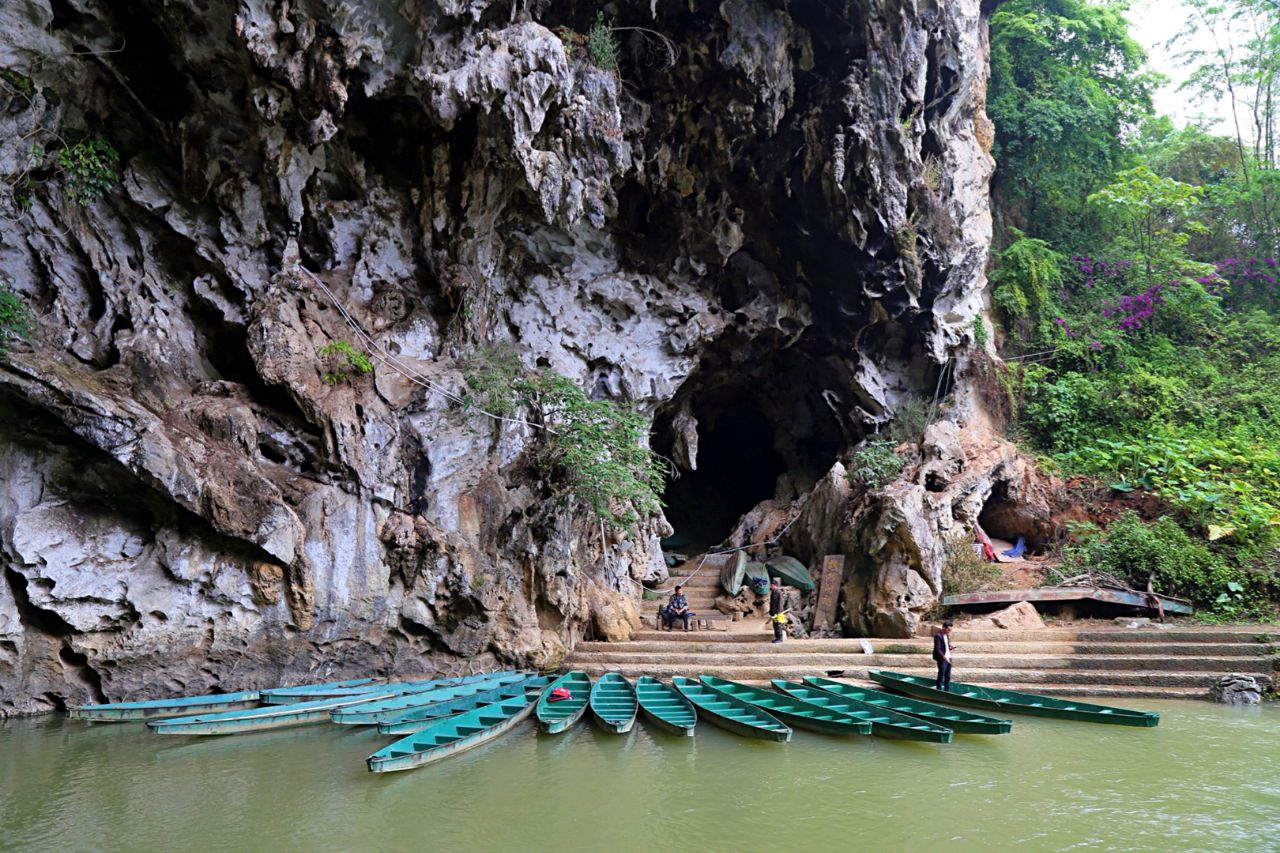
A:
[776,615]
[678,608]
[942,654]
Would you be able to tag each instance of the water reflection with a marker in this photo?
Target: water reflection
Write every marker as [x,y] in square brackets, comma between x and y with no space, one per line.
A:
[1208,778]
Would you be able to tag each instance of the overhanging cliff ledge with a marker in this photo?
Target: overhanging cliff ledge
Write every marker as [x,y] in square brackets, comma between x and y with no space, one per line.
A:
[766,229]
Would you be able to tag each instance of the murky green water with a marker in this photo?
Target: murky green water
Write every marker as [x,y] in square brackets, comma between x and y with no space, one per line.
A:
[1208,778]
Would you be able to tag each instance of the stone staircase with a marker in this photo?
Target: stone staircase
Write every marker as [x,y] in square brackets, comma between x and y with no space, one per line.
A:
[701,590]
[1171,662]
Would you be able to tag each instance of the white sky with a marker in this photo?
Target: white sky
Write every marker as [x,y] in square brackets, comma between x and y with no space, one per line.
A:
[1154,22]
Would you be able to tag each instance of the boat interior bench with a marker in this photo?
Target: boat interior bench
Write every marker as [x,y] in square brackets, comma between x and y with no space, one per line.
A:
[697,621]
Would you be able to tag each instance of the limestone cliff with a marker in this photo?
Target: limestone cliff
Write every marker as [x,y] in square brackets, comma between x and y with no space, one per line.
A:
[765,229]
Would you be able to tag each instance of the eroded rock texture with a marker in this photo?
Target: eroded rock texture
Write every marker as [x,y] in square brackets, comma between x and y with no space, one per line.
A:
[765,241]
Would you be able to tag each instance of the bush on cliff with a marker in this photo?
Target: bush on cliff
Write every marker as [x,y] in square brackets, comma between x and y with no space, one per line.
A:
[597,448]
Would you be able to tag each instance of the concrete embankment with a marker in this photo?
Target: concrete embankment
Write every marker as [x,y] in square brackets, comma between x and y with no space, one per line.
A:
[1176,662]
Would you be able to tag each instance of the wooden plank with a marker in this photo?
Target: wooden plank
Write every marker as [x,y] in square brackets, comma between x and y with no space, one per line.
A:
[824,616]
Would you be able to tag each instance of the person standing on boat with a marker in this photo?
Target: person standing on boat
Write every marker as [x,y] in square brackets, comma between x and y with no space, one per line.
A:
[776,616]
[942,655]
[677,608]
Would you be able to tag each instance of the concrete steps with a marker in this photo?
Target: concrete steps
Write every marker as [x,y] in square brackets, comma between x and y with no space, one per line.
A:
[709,661]
[699,643]
[1072,681]
[1176,662]
[1234,636]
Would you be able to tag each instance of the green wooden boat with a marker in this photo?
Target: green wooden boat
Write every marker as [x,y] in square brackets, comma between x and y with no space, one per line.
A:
[791,571]
[613,703]
[155,709]
[731,713]
[958,721]
[308,692]
[417,719]
[372,713]
[790,710]
[663,706]
[453,735]
[884,723]
[556,717]
[733,574]
[264,718]
[1014,702]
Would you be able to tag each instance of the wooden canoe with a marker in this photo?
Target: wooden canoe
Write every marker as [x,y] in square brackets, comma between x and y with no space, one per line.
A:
[1014,702]
[417,719]
[884,723]
[556,717]
[453,735]
[155,709]
[791,710]
[731,713]
[791,571]
[966,722]
[663,706]
[613,703]
[372,713]
[264,718]
[733,573]
[308,692]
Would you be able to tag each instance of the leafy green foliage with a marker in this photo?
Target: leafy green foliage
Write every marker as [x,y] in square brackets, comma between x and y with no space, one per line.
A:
[1241,71]
[875,463]
[909,421]
[1143,292]
[1067,83]
[980,336]
[15,319]
[1172,561]
[601,46]
[1026,274]
[20,83]
[598,448]
[1153,218]
[345,362]
[88,169]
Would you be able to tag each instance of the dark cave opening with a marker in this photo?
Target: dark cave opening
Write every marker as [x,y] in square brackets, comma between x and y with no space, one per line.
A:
[738,466]
[763,431]
[1006,519]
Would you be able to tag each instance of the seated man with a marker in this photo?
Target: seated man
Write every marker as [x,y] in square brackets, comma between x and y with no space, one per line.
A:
[677,608]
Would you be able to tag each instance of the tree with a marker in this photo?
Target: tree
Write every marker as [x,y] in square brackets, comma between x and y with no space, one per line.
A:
[1154,214]
[1243,68]
[1067,86]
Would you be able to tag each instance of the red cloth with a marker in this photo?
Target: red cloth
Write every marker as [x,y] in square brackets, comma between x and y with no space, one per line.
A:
[988,552]
[559,695]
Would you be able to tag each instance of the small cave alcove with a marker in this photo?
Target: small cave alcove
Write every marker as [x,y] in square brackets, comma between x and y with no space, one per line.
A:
[1006,519]
[762,433]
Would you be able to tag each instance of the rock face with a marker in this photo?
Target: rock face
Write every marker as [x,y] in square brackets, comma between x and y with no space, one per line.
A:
[781,210]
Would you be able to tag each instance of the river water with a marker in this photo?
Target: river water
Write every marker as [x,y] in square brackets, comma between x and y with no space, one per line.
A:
[1208,778]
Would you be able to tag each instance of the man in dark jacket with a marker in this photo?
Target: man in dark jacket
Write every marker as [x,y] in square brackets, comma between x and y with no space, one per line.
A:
[677,608]
[942,655]
[775,609]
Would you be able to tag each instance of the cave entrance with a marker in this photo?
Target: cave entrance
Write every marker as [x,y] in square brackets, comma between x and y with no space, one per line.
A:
[1004,520]
[762,431]
[738,466]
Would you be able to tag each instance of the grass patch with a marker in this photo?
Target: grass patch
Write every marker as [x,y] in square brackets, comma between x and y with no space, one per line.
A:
[966,571]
